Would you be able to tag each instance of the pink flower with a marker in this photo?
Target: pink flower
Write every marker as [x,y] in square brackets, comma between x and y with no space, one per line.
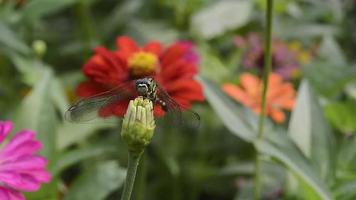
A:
[20,169]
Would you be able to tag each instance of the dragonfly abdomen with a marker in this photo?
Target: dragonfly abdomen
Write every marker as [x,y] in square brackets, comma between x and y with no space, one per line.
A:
[162,103]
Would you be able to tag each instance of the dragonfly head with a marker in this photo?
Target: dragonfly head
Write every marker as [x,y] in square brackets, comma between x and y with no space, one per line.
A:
[145,86]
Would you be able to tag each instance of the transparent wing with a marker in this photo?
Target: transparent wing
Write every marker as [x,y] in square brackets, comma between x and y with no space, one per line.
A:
[87,109]
[178,114]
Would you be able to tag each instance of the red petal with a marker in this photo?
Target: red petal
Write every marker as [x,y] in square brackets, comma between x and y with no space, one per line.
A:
[186,89]
[89,88]
[173,53]
[118,109]
[179,69]
[106,67]
[126,47]
[126,44]
[153,47]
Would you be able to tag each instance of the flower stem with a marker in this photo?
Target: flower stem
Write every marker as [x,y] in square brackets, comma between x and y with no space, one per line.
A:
[134,159]
[140,186]
[266,71]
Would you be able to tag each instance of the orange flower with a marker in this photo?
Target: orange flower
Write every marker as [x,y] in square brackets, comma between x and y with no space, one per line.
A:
[280,95]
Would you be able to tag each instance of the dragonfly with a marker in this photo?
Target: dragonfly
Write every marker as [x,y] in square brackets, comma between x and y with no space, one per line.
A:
[87,109]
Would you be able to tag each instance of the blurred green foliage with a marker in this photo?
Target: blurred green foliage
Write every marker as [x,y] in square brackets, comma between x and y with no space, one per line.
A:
[305,159]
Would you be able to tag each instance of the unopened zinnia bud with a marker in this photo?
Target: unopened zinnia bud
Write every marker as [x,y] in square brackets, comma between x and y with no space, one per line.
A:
[138,124]
[39,47]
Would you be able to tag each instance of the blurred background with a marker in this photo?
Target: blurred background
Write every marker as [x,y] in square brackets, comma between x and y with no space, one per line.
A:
[310,154]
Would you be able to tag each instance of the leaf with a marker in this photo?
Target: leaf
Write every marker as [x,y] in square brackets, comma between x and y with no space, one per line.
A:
[97,182]
[350,90]
[37,113]
[346,190]
[347,156]
[58,96]
[342,115]
[311,133]
[70,133]
[304,31]
[233,116]
[145,31]
[220,17]
[74,156]
[328,79]
[277,145]
[10,39]
[283,149]
[35,9]
[331,51]
[213,66]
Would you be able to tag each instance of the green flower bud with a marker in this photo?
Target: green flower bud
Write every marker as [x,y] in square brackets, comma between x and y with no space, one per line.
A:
[39,47]
[138,124]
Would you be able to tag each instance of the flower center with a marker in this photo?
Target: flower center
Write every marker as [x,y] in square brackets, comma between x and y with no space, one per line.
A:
[142,63]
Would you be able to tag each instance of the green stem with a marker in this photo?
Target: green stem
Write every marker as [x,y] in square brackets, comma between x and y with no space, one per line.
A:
[266,71]
[134,159]
[85,28]
[140,186]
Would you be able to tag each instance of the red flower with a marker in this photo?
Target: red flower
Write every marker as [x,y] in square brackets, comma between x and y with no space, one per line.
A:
[171,67]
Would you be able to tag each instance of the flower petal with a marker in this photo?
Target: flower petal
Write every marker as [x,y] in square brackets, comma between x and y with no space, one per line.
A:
[25,163]
[239,95]
[20,138]
[277,115]
[10,194]
[251,84]
[89,88]
[126,46]
[173,53]
[19,182]
[153,47]
[185,88]
[5,129]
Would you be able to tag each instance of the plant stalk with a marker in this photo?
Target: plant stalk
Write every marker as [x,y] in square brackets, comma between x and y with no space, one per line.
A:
[133,162]
[266,71]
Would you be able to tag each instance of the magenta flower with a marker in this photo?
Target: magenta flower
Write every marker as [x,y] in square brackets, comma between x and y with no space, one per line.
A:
[20,169]
[286,57]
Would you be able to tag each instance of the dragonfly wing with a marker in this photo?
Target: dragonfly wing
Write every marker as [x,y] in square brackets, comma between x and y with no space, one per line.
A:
[87,109]
[177,113]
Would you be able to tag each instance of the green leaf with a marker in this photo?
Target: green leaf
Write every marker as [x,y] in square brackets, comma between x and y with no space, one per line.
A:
[303,31]
[346,190]
[58,95]
[74,156]
[70,133]
[221,16]
[331,51]
[213,66]
[347,157]
[342,115]
[97,182]
[235,117]
[328,79]
[277,145]
[280,147]
[144,31]
[35,9]
[350,90]
[10,39]
[311,133]
[37,113]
